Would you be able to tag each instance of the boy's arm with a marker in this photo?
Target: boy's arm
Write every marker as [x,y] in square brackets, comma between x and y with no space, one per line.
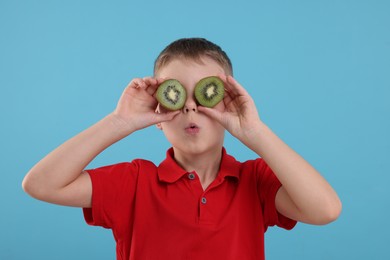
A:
[305,195]
[59,177]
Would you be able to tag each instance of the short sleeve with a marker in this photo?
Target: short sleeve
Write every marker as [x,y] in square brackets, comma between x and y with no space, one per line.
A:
[267,187]
[113,192]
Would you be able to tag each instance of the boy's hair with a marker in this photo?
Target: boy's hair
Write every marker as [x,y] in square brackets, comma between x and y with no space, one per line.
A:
[193,48]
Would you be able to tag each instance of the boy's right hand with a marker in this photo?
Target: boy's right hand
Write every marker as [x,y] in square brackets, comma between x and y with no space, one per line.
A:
[136,108]
[60,177]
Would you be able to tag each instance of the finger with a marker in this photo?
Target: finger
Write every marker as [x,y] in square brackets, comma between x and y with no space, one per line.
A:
[228,88]
[150,81]
[152,85]
[160,80]
[232,86]
[133,84]
[227,99]
[213,113]
[163,117]
[235,86]
[137,83]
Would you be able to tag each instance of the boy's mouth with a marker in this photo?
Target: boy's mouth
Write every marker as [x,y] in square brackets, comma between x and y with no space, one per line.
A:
[192,129]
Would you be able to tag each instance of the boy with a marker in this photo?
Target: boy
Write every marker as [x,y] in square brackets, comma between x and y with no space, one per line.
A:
[199,203]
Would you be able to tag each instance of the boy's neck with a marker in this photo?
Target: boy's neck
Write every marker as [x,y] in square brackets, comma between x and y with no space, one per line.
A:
[206,164]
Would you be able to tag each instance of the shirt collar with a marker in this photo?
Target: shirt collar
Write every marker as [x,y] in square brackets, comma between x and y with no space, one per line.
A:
[169,171]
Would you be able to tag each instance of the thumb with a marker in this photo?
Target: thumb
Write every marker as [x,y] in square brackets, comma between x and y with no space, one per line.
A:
[213,113]
[162,117]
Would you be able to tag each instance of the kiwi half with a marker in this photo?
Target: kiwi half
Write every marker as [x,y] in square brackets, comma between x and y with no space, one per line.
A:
[209,91]
[171,94]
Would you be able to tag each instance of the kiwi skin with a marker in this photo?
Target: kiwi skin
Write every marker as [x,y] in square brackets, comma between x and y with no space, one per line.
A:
[209,91]
[171,94]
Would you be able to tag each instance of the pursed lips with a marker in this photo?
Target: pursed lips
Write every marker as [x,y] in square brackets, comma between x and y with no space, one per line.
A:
[192,128]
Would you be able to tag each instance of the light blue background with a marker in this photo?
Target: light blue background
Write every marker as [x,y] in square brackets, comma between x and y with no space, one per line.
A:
[319,72]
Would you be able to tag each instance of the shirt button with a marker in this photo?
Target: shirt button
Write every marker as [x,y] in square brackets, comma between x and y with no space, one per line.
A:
[191,176]
[204,200]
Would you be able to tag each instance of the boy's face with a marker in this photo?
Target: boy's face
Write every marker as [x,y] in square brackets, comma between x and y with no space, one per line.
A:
[192,132]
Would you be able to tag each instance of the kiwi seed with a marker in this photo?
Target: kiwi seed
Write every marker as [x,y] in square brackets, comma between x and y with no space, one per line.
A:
[171,94]
[209,91]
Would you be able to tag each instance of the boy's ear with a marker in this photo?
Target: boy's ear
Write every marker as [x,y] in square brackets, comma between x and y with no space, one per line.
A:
[159,126]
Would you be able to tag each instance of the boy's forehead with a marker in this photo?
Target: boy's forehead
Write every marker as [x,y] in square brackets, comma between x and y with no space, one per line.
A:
[184,67]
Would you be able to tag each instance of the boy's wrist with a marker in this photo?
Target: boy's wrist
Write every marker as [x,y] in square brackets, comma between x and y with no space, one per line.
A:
[119,126]
[255,131]
[252,137]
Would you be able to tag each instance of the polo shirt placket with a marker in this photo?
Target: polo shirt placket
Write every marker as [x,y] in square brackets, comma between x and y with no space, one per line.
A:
[204,214]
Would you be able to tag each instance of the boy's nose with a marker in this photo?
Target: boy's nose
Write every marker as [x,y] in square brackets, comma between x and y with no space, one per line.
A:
[186,109]
[190,105]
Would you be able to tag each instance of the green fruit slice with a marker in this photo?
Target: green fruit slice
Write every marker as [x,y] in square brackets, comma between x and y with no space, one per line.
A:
[171,94]
[209,91]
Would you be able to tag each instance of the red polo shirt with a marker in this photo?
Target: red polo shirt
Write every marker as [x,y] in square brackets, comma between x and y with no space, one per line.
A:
[162,212]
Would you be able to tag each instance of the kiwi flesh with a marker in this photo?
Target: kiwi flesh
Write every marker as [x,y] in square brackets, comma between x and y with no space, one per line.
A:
[171,94]
[209,91]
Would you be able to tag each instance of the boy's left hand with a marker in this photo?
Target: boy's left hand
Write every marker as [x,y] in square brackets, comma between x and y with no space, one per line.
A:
[240,116]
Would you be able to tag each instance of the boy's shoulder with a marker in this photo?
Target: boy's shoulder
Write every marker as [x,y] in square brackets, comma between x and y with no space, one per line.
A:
[133,167]
[250,168]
